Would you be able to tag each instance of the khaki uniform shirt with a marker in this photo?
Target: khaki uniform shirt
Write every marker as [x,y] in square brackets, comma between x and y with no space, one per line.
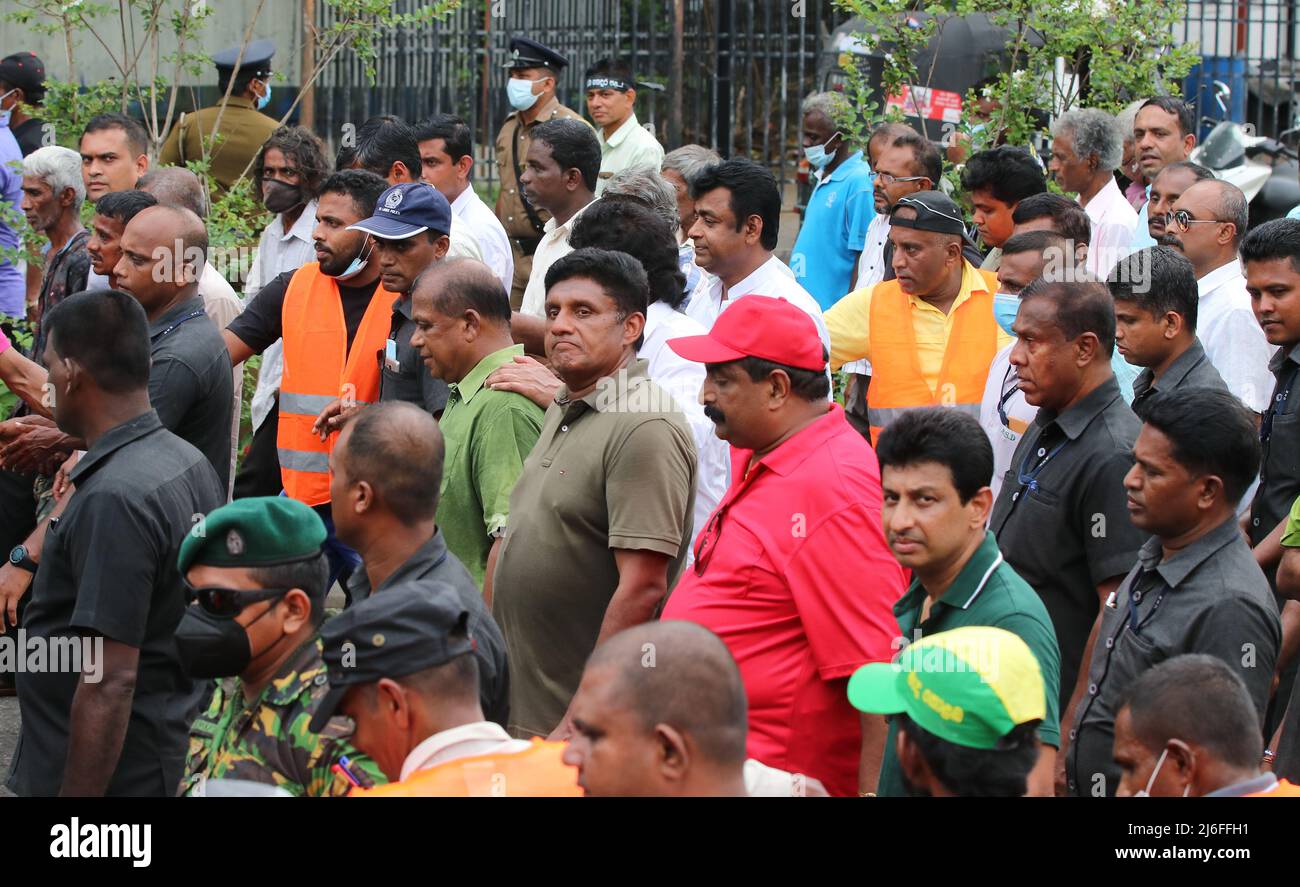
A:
[243,131]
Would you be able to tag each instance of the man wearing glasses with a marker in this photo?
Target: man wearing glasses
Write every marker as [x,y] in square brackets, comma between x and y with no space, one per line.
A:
[792,570]
[257,578]
[1207,225]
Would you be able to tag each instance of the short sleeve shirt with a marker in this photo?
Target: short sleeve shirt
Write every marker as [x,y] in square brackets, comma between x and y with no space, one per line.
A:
[488,435]
[614,470]
[986,592]
[793,573]
[1209,597]
[65,273]
[412,381]
[109,568]
[262,320]
[1279,474]
[1062,519]
[834,231]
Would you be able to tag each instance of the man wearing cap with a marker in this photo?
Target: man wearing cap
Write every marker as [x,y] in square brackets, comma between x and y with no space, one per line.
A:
[624,142]
[534,72]
[107,581]
[22,88]
[968,703]
[402,667]
[232,131]
[792,570]
[258,578]
[929,333]
[935,467]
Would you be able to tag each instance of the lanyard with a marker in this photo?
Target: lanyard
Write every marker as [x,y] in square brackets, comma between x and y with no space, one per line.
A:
[1279,403]
[1134,623]
[164,333]
[1030,478]
[1006,395]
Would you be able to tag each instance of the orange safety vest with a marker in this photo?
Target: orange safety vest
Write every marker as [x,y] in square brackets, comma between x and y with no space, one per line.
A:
[897,384]
[1283,789]
[318,369]
[536,772]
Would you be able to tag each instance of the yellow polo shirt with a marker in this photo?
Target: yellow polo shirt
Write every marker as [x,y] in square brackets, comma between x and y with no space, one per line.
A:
[849,320]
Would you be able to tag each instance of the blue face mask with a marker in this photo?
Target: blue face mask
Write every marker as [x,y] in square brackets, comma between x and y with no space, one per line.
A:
[817,156]
[265,99]
[1005,306]
[520,93]
[359,263]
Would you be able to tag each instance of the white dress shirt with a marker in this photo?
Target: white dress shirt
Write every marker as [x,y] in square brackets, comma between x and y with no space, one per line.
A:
[772,278]
[630,145]
[871,270]
[1113,222]
[278,251]
[1002,378]
[683,379]
[465,741]
[1232,337]
[483,225]
[554,245]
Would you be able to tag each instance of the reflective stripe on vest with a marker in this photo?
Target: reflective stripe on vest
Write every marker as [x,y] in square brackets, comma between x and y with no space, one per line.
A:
[319,369]
[897,384]
[535,772]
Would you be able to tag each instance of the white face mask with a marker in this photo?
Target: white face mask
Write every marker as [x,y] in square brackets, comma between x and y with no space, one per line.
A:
[5,113]
[1146,792]
[520,93]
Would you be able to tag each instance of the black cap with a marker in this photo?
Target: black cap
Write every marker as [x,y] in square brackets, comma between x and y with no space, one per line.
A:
[525,53]
[257,57]
[25,71]
[935,211]
[393,633]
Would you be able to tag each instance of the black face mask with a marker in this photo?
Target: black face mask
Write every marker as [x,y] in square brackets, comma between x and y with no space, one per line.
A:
[279,197]
[212,646]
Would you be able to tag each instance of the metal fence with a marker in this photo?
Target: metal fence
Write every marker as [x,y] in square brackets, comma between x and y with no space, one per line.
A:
[733,71]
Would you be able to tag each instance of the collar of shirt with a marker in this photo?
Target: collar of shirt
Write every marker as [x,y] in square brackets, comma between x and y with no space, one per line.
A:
[635,369]
[189,306]
[1261,783]
[844,170]
[425,556]
[548,110]
[620,135]
[464,200]
[238,101]
[1077,418]
[787,458]
[756,278]
[1177,372]
[1218,277]
[302,226]
[552,227]
[297,673]
[1177,568]
[1106,199]
[965,588]
[469,386]
[1277,363]
[113,440]
[464,741]
[971,282]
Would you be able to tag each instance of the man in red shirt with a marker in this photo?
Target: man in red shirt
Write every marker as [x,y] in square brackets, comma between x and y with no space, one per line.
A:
[792,570]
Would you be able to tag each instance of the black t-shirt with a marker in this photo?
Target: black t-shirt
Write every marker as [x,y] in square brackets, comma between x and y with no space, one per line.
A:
[29,134]
[109,568]
[262,320]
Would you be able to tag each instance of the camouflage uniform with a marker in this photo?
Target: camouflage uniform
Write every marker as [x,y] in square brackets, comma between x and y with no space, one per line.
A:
[269,741]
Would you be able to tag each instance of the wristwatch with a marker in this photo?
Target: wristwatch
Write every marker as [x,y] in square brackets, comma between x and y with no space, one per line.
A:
[19,558]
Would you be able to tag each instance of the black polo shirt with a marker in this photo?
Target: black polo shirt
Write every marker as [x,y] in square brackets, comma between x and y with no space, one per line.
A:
[1210,597]
[412,381]
[1279,474]
[1061,518]
[1191,369]
[190,386]
[109,568]
[435,563]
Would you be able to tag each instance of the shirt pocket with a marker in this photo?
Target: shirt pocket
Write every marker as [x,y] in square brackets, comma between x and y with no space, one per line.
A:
[1284,447]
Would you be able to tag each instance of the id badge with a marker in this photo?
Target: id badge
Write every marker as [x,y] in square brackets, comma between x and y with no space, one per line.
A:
[390,356]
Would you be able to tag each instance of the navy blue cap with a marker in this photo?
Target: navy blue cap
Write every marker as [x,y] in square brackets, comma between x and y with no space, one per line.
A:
[257,56]
[406,210]
[525,53]
[393,633]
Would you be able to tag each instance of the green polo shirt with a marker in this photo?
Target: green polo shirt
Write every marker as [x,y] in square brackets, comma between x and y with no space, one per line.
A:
[488,435]
[987,591]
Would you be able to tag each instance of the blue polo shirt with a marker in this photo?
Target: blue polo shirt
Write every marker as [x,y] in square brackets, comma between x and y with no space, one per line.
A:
[834,232]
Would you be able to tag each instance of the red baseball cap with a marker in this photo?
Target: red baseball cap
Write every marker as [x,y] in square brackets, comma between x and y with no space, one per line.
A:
[758,326]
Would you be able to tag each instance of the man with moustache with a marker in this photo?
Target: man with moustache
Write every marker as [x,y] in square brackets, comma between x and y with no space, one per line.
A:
[1167,187]
[112,214]
[1164,132]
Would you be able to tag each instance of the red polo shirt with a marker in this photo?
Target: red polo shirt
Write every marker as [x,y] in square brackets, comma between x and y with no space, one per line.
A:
[792,571]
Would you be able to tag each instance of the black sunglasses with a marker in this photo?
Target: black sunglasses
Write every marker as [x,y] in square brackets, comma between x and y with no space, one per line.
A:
[227,603]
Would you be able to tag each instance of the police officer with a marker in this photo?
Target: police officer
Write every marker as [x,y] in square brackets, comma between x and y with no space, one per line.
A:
[258,579]
[534,72]
[243,127]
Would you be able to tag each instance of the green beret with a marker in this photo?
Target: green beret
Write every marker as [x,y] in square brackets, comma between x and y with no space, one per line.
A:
[259,532]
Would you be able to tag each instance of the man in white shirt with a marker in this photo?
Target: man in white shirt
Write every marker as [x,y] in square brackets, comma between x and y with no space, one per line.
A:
[624,142]
[1164,132]
[1087,146]
[446,161]
[560,171]
[738,212]
[1209,221]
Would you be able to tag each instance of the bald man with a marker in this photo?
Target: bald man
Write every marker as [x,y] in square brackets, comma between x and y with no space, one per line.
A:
[462,331]
[666,702]
[385,472]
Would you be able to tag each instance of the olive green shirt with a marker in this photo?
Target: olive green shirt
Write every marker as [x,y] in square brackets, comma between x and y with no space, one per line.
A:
[987,591]
[243,131]
[615,470]
[488,435]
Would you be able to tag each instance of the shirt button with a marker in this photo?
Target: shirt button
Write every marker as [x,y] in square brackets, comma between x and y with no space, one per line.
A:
[1110,642]
[1092,689]
[564,427]
[1015,496]
[1137,596]
[1042,451]
[1255,522]
[1073,734]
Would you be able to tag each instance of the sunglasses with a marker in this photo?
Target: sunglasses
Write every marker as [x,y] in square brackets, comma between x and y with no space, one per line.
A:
[227,603]
[1183,219]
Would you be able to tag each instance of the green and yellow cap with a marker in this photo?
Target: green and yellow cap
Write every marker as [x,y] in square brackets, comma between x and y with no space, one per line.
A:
[262,531]
[970,686]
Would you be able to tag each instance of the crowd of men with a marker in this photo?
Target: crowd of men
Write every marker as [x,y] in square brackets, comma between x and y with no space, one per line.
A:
[575,470]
